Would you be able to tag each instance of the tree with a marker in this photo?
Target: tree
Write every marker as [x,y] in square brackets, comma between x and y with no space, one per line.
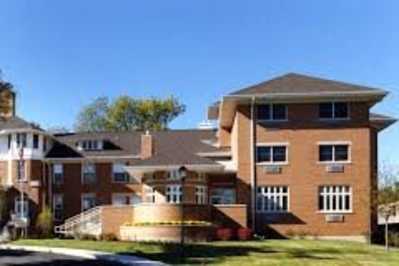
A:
[127,114]
[122,114]
[388,197]
[6,93]
[155,114]
[93,117]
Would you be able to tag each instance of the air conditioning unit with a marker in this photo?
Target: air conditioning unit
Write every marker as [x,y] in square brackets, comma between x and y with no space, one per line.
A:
[273,169]
[335,168]
[335,218]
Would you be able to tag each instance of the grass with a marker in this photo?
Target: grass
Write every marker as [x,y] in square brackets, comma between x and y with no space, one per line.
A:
[268,252]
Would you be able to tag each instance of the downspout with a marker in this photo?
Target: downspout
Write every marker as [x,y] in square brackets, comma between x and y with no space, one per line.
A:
[253,164]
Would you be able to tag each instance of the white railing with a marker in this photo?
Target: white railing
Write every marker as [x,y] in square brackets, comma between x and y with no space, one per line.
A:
[88,222]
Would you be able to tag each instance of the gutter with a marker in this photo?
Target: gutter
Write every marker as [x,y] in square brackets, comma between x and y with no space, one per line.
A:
[253,164]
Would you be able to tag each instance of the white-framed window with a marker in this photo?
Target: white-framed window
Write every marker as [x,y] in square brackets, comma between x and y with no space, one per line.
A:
[58,206]
[174,174]
[119,175]
[21,140]
[200,194]
[21,208]
[35,141]
[119,199]
[335,198]
[334,111]
[334,152]
[58,174]
[272,199]
[88,201]
[272,112]
[174,193]
[45,142]
[223,195]
[272,153]
[89,173]
[90,145]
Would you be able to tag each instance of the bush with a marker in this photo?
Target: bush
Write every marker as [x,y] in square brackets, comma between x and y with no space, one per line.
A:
[244,234]
[224,234]
[44,223]
[394,239]
[109,237]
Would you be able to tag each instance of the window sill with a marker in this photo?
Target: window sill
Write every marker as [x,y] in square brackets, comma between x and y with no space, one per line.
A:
[334,119]
[333,162]
[334,212]
[272,121]
[272,164]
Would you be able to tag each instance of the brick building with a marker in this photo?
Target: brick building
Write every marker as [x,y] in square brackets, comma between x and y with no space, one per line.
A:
[292,154]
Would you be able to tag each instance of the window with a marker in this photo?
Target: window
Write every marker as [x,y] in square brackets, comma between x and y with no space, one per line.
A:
[119,174]
[88,201]
[58,206]
[44,144]
[125,199]
[35,141]
[334,153]
[149,194]
[58,174]
[335,199]
[273,154]
[174,174]
[9,141]
[89,174]
[21,208]
[174,194]
[272,199]
[90,145]
[334,110]
[21,140]
[200,195]
[223,196]
[272,112]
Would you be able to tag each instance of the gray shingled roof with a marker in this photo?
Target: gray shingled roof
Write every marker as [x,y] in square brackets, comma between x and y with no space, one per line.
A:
[298,83]
[17,123]
[171,147]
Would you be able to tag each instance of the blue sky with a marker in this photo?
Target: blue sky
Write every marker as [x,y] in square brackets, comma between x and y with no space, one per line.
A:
[62,54]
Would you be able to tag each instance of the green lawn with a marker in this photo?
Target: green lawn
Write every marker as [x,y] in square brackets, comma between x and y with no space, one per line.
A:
[268,252]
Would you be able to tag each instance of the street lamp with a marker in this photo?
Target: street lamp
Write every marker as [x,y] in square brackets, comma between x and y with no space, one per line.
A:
[182,174]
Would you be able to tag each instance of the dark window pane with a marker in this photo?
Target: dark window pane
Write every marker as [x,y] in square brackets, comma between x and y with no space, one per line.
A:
[341,110]
[285,203]
[263,154]
[9,141]
[279,111]
[279,154]
[321,202]
[341,152]
[35,141]
[325,153]
[347,203]
[263,112]
[326,110]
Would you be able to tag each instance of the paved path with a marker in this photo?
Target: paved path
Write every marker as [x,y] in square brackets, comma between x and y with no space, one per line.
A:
[20,257]
[11,255]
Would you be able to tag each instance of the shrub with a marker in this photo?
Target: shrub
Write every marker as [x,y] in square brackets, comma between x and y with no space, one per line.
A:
[394,239]
[244,234]
[224,234]
[44,223]
[109,237]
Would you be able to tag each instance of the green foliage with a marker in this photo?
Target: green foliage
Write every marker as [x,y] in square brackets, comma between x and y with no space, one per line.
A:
[127,114]
[93,117]
[44,223]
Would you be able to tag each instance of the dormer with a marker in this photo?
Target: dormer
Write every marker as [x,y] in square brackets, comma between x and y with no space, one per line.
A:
[90,145]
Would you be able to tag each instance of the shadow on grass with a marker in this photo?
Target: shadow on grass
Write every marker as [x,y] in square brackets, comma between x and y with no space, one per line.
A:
[211,253]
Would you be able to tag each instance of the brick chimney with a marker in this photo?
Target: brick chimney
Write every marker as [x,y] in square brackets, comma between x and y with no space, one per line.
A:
[147,145]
